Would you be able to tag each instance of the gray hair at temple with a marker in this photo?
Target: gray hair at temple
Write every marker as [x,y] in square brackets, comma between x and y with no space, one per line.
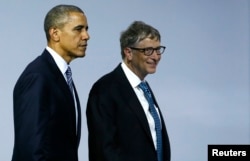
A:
[137,32]
[58,16]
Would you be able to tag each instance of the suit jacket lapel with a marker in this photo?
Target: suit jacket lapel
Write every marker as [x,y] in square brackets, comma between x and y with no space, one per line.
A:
[79,118]
[166,144]
[59,78]
[133,102]
[58,75]
[156,104]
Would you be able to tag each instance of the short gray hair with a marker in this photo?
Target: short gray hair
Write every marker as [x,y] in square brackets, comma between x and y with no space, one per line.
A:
[137,32]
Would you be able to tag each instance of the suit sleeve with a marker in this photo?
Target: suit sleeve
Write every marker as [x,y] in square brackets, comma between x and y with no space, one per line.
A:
[103,143]
[31,117]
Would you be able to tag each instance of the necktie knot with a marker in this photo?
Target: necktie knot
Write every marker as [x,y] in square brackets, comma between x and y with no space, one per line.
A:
[68,73]
[144,87]
[147,93]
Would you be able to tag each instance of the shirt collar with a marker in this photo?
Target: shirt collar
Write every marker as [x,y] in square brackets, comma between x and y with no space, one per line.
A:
[133,79]
[60,62]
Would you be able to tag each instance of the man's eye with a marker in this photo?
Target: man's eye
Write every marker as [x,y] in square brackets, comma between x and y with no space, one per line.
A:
[78,29]
[148,49]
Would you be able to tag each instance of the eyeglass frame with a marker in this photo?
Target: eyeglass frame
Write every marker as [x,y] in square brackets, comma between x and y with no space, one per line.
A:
[149,48]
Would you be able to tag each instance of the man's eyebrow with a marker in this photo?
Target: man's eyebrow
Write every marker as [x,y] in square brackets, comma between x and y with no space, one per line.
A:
[80,27]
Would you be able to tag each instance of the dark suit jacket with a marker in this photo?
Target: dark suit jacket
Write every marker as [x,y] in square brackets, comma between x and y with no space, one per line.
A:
[44,114]
[118,127]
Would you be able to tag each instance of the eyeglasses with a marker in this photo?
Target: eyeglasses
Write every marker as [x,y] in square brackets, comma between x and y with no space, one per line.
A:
[149,51]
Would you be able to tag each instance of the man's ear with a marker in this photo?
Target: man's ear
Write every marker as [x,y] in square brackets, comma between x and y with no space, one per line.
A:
[128,53]
[54,33]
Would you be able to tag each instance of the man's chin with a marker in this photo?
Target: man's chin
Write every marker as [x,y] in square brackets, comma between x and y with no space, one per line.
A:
[151,71]
[81,55]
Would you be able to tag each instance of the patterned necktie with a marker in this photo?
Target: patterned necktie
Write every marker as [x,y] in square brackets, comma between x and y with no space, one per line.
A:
[69,79]
[156,118]
[77,107]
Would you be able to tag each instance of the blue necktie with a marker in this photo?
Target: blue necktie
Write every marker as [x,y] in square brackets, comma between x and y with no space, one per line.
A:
[156,117]
[69,79]
[78,110]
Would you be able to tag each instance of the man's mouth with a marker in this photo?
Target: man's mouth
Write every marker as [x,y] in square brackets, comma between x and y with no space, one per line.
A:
[83,45]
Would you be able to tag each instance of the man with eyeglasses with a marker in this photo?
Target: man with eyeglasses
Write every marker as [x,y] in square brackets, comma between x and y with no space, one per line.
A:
[124,120]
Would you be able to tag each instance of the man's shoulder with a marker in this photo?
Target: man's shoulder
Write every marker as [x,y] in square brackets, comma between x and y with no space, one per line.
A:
[110,79]
[38,66]
[112,76]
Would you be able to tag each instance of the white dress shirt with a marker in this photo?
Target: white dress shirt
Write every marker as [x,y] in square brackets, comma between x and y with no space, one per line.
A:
[134,81]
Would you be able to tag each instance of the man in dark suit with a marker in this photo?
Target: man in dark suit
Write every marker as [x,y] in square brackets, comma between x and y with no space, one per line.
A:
[120,119]
[47,115]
